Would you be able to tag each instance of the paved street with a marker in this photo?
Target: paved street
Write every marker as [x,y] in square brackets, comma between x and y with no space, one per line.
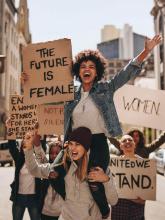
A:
[154,210]
[6,177]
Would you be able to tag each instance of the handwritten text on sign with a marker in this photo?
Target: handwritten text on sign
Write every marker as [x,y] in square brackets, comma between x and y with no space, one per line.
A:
[48,66]
[141,107]
[134,177]
[23,117]
[51,119]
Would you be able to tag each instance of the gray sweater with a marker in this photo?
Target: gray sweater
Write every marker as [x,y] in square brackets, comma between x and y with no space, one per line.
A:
[79,203]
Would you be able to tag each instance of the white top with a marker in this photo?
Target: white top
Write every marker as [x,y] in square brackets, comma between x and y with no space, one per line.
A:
[86,114]
[26,182]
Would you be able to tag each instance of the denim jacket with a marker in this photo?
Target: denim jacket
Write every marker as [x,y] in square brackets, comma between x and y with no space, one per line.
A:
[102,95]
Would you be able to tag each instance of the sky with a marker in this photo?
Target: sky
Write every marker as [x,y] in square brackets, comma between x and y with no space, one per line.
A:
[82,21]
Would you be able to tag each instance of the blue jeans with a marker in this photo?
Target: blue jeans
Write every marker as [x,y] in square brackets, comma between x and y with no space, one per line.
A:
[25,201]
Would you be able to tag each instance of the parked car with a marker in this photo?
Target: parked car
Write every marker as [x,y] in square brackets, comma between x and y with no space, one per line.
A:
[159,156]
[5,157]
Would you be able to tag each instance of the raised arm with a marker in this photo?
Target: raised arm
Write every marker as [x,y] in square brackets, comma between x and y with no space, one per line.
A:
[133,68]
[39,146]
[36,169]
[149,45]
[156,143]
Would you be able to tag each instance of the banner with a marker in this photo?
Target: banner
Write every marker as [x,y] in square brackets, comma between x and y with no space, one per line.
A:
[51,119]
[23,117]
[134,177]
[141,107]
[48,66]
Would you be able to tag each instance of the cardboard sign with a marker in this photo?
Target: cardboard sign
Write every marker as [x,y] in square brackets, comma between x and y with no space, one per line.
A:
[23,117]
[48,66]
[141,107]
[2,131]
[51,119]
[134,177]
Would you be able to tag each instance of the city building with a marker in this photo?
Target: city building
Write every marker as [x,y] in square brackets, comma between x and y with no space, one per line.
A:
[124,44]
[158,12]
[14,34]
[109,32]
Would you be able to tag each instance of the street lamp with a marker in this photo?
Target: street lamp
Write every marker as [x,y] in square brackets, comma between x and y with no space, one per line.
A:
[2,63]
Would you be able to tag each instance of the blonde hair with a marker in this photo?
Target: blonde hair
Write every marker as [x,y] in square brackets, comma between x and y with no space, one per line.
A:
[82,166]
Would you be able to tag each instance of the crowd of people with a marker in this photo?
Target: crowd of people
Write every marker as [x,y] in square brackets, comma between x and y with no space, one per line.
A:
[79,184]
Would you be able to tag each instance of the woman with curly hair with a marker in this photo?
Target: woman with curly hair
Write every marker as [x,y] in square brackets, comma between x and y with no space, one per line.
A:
[93,107]
[142,149]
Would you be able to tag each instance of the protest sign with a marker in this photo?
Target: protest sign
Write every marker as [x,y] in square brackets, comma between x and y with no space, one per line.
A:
[23,117]
[48,66]
[134,177]
[141,107]
[51,119]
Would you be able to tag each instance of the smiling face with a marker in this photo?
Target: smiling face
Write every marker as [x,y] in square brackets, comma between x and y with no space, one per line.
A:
[136,137]
[77,150]
[127,144]
[54,151]
[87,72]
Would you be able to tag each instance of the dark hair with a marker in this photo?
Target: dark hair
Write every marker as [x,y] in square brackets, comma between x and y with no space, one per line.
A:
[141,143]
[92,55]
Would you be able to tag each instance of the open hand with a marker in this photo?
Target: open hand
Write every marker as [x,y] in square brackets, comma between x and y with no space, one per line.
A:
[28,140]
[24,78]
[151,43]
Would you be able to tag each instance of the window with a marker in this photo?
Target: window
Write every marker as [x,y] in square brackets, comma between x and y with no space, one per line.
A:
[111,64]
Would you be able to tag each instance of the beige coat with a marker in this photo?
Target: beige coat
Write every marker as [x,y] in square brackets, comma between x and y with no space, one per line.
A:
[79,203]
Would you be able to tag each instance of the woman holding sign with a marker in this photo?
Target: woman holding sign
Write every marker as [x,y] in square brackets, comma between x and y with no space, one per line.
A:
[25,189]
[94,108]
[141,149]
[127,209]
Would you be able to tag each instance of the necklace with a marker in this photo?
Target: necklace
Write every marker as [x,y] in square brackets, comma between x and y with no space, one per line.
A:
[84,100]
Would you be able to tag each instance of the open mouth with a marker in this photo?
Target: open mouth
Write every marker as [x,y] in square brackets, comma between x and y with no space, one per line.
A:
[74,154]
[86,75]
[128,146]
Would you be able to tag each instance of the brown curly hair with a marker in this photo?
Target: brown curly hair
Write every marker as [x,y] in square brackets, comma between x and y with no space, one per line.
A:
[94,56]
